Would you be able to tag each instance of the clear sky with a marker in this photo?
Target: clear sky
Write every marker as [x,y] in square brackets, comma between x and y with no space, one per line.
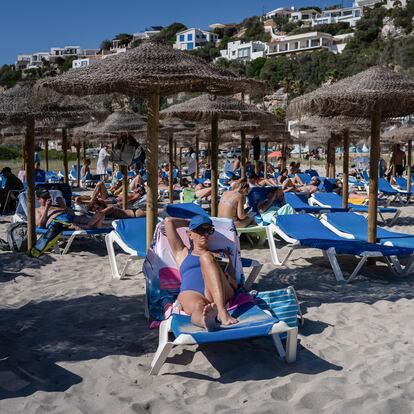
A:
[28,26]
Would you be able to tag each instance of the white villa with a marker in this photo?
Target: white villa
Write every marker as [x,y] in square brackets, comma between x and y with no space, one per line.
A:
[193,38]
[245,51]
[348,15]
[279,12]
[305,16]
[147,33]
[300,43]
[35,60]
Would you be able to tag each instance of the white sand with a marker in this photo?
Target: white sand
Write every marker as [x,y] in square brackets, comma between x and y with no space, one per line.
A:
[74,341]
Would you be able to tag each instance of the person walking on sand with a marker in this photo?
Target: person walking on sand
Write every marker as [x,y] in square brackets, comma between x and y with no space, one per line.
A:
[399,160]
[103,161]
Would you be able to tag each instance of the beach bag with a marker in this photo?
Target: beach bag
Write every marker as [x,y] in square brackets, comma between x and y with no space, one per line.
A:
[282,304]
[48,240]
[17,236]
[125,151]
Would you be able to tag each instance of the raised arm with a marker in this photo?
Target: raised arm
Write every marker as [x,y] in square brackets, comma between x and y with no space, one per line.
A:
[241,215]
[171,225]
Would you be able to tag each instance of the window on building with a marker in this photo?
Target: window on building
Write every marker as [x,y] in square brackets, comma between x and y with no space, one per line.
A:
[190,46]
[357,13]
[190,37]
[314,42]
[243,53]
[182,38]
[283,47]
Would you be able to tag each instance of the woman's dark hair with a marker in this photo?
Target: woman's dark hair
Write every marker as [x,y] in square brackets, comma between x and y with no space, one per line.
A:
[285,170]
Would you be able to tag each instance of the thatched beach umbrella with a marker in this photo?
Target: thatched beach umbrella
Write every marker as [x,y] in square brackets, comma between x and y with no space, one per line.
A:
[21,106]
[149,70]
[376,94]
[213,109]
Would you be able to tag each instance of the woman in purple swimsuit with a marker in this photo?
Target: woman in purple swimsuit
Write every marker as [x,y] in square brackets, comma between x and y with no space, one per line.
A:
[205,288]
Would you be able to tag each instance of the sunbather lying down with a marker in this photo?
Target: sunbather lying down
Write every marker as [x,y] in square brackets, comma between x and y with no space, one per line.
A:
[205,287]
[47,212]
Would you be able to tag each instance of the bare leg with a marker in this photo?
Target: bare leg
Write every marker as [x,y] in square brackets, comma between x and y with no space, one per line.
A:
[202,312]
[204,193]
[100,191]
[243,223]
[218,289]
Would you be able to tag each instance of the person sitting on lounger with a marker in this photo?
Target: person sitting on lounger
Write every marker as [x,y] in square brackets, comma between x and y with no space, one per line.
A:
[313,186]
[47,212]
[114,194]
[232,204]
[205,287]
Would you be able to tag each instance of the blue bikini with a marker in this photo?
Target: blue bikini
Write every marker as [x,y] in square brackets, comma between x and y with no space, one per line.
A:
[191,276]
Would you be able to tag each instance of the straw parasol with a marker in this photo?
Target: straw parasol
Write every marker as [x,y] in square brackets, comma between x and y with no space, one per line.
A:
[376,94]
[207,108]
[22,106]
[149,70]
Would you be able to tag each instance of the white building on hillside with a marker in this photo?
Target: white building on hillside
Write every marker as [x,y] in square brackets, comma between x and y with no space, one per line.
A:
[279,12]
[147,33]
[305,16]
[300,43]
[389,5]
[348,15]
[194,38]
[245,51]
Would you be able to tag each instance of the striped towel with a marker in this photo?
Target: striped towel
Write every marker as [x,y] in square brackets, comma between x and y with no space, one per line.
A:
[282,304]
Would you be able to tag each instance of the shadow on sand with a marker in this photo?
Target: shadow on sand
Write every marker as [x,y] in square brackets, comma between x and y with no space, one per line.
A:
[38,335]
[12,264]
[250,361]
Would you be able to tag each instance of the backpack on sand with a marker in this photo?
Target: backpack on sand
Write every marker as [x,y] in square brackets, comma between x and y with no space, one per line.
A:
[17,237]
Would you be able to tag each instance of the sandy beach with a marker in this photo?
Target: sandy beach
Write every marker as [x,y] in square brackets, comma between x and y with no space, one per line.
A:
[75,341]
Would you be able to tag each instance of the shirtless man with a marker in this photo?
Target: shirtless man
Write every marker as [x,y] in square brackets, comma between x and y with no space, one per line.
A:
[400,160]
[46,213]
[232,204]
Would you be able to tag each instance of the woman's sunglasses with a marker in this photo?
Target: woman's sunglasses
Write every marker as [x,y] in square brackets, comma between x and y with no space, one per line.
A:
[202,231]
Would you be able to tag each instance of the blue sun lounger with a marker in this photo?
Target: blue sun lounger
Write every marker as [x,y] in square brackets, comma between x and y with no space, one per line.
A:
[392,194]
[305,231]
[335,200]
[300,206]
[163,281]
[354,226]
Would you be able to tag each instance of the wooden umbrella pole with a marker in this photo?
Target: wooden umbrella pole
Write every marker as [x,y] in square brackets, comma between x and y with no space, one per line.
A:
[394,168]
[409,157]
[65,155]
[152,164]
[284,156]
[265,159]
[209,154]
[47,154]
[113,164]
[78,165]
[175,153]
[328,158]
[197,150]
[373,175]
[29,144]
[214,166]
[181,160]
[243,154]
[84,150]
[345,164]
[333,160]
[124,170]
[170,172]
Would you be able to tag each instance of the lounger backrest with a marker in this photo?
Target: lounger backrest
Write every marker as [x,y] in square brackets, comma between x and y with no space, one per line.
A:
[357,225]
[295,201]
[21,209]
[329,199]
[160,269]
[304,227]
[306,178]
[401,182]
[385,187]
[257,195]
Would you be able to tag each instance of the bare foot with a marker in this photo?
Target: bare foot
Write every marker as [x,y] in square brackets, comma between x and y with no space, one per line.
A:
[226,319]
[210,317]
